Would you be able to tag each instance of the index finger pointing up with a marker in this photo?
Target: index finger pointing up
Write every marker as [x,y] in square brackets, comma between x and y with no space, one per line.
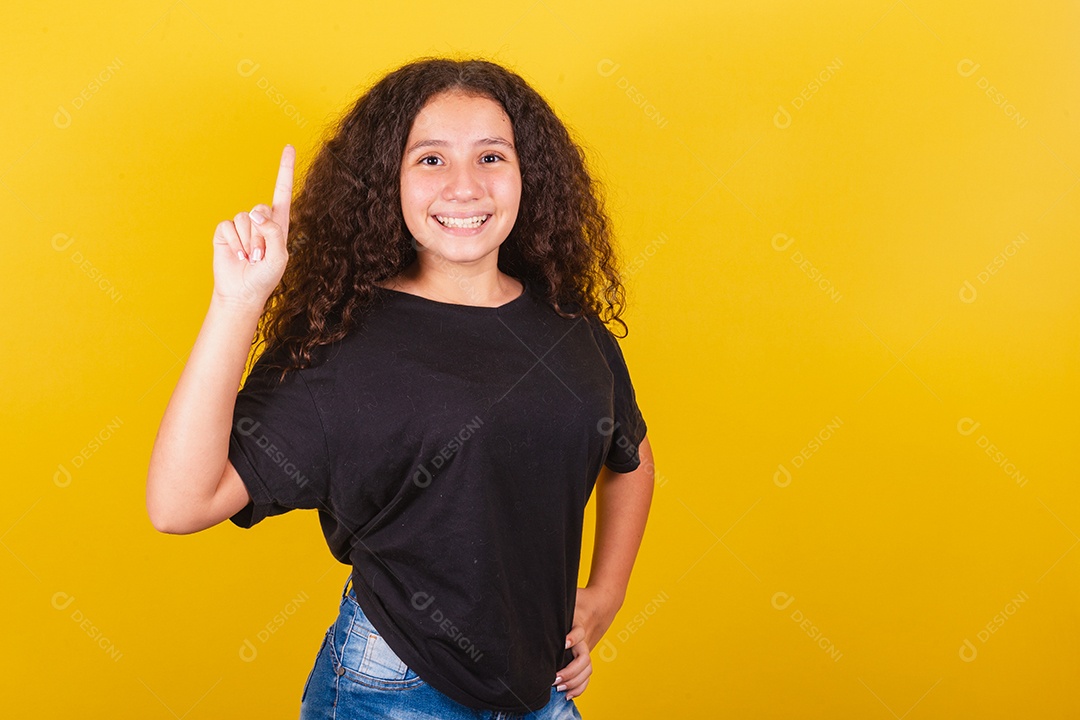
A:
[283,188]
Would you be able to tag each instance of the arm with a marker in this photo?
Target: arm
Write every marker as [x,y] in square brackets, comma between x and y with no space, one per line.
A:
[622,507]
[189,461]
[191,485]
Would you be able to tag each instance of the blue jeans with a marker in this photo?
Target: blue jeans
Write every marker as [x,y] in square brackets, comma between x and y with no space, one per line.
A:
[351,681]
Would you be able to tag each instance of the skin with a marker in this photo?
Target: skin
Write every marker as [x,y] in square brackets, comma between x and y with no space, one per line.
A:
[622,508]
[187,489]
[459,159]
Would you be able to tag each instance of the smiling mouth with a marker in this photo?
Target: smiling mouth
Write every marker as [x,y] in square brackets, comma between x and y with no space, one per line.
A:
[469,222]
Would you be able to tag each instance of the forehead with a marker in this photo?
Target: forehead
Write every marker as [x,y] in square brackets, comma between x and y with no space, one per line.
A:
[461,114]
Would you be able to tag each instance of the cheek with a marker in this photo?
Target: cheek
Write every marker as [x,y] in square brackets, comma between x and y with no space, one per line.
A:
[415,197]
[507,190]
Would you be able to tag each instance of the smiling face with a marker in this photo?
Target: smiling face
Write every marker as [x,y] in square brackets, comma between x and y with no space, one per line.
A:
[460,179]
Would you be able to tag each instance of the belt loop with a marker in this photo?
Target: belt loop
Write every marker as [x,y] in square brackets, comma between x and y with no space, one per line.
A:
[348,584]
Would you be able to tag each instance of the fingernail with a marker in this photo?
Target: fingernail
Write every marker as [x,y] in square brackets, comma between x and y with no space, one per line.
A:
[558,679]
[561,688]
[240,254]
[259,219]
[257,255]
[567,643]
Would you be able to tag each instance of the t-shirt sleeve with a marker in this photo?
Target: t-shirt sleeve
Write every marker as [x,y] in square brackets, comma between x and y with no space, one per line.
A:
[628,428]
[278,446]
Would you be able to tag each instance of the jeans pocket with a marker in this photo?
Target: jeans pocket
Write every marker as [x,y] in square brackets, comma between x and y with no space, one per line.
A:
[365,657]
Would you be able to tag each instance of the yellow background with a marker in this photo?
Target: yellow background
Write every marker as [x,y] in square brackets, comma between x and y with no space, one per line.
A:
[890,150]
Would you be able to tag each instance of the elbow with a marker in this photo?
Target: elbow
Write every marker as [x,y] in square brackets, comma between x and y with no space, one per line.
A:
[162,521]
[170,525]
[164,526]
[162,513]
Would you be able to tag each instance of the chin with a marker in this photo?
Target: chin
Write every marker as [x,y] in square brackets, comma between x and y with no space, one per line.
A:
[460,255]
[464,250]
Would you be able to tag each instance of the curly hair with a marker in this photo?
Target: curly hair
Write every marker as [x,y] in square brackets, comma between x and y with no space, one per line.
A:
[347,230]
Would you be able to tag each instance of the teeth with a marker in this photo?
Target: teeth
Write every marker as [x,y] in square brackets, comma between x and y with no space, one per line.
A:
[472,222]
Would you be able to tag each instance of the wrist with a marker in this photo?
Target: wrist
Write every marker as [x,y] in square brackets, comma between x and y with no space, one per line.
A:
[243,309]
[610,594]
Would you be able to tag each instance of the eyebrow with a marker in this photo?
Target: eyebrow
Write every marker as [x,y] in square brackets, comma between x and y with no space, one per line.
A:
[442,143]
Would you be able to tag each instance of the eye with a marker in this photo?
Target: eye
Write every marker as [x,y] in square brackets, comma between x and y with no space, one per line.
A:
[492,155]
[427,157]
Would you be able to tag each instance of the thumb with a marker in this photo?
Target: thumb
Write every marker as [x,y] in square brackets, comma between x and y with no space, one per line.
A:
[576,635]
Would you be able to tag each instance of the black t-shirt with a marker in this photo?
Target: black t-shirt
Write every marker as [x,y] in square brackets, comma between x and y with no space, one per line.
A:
[450,451]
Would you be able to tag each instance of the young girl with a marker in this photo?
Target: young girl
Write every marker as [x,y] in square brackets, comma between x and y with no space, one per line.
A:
[439,384]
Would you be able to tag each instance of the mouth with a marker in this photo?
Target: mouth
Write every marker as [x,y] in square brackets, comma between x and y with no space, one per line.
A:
[473,221]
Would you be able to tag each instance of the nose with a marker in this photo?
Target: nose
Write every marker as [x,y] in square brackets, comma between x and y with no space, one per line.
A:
[462,184]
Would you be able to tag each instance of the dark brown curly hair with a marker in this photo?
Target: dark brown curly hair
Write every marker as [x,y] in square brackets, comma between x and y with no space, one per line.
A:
[347,230]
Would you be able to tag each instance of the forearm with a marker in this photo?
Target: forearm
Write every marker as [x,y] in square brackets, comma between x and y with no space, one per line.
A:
[622,508]
[191,446]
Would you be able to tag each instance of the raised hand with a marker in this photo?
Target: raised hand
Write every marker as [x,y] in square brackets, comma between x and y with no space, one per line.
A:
[249,250]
